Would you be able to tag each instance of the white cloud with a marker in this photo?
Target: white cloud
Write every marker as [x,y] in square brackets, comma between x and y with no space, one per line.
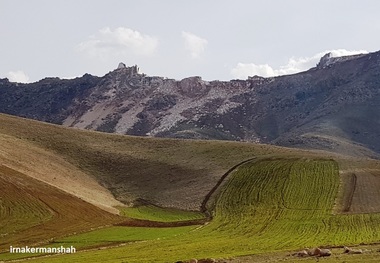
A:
[121,41]
[294,65]
[243,70]
[18,76]
[195,44]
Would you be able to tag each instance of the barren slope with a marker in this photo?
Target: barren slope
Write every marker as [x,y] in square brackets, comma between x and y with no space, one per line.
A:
[49,167]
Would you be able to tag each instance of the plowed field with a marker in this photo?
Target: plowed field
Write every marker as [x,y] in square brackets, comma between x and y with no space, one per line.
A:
[33,212]
[361,191]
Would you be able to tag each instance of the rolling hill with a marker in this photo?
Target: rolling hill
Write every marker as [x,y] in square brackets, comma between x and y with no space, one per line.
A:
[129,167]
[279,200]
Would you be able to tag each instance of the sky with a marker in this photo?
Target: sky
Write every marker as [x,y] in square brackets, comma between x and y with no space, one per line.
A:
[214,39]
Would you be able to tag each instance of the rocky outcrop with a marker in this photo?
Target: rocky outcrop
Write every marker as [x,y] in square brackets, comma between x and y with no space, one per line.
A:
[328,59]
[121,65]
[193,87]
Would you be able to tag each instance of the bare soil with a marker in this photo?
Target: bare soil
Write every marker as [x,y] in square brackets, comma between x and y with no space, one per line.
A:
[49,167]
[366,198]
[349,191]
[361,191]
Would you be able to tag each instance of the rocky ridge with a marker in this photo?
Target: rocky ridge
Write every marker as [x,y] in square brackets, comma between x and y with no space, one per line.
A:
[334,106]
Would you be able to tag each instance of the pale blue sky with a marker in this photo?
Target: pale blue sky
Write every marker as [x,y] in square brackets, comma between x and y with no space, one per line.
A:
[176,39]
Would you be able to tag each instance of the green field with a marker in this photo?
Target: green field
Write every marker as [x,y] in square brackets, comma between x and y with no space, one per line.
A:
[119,234]
[155,213]
[265,206]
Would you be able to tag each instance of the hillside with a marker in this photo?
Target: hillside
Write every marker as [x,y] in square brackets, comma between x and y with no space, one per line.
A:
[92,164]
[334,106]
[56,176]
[262,208]
[52,175]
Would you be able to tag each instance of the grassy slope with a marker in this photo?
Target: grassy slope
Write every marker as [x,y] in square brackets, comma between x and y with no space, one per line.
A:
[170,172]
[167,172]
[117,234]
[267,205]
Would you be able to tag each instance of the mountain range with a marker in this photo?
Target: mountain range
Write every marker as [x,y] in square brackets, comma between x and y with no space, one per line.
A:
[334,106]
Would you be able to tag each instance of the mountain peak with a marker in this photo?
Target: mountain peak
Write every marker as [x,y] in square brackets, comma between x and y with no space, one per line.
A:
[329,59]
